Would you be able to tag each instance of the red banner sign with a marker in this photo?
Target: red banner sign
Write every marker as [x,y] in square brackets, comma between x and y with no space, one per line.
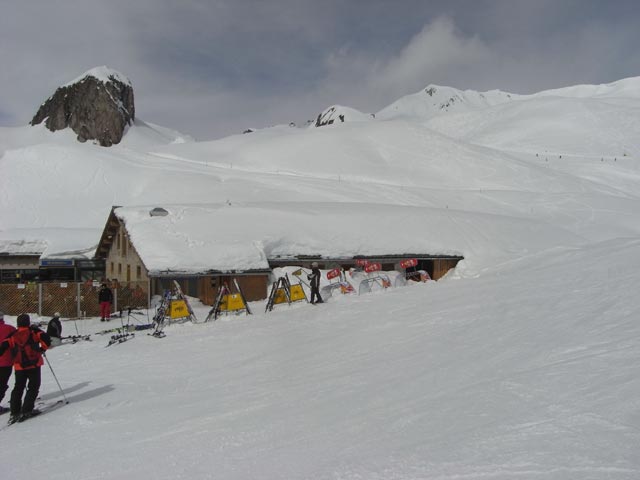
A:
[410,262]
[372,267]
[361,262]
[333,273]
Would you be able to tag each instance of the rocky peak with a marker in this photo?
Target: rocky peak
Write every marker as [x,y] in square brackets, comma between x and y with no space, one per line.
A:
[340,114]
[98,106]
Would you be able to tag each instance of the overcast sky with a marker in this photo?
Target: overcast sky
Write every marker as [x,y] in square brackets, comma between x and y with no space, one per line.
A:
[214,68]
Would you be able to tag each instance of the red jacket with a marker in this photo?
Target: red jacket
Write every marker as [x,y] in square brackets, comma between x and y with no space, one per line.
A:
[20,338]
[6,360]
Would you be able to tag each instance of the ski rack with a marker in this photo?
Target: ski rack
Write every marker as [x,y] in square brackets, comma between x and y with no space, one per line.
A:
[222,303]
[161,315]
[418,276]
[282,291]
[343,285]
[163,312]
[365,285]
[381,279]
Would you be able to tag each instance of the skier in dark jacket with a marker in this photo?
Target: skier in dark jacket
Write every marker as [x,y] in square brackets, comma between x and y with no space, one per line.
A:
[27,345]
[105,297]
[314,280]
[54,330]
[6,360]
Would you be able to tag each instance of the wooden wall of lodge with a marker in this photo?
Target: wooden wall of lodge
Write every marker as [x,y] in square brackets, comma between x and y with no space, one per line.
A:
[122,262]
[441,266]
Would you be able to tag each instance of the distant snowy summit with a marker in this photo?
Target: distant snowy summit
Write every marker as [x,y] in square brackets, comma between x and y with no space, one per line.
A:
[436,100]
[431,101]
[98,105]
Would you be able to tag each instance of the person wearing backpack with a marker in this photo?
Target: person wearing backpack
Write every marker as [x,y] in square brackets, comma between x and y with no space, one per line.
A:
[6,361]
[26,345]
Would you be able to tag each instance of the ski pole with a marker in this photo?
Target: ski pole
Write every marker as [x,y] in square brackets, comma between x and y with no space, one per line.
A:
[56,378]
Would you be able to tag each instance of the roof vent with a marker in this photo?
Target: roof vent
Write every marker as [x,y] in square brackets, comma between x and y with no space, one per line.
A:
[158,212]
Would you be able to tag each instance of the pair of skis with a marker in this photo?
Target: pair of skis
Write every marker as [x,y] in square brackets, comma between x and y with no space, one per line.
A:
[164,310]
[42,409]
[75,338]
[120,338]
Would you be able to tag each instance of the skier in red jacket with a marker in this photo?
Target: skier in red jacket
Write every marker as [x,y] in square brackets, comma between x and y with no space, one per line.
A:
[6,361]
[26,345]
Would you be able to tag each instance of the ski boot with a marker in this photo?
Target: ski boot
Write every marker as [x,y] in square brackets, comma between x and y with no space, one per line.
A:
[28,415]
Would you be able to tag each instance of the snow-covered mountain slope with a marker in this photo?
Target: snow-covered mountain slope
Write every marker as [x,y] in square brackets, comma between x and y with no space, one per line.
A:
[621,89]
[140,136]
[585,120]
[558,161]
[392,162]
[551,126]
[523,363]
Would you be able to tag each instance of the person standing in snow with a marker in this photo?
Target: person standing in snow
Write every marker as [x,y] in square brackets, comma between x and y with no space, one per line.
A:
[26,345]
[54,330]
[314,280]
[105,297]
[6,360]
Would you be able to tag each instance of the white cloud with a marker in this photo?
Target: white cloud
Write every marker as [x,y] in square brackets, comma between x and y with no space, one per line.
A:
[438,51]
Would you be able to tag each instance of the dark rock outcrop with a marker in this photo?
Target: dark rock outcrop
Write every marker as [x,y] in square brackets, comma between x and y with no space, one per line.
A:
[98,106]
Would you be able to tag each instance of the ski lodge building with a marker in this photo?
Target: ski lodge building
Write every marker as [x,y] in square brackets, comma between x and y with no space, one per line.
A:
[206,246]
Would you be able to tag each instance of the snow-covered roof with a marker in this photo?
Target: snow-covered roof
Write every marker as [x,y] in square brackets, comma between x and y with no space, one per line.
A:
[230,237]
[59,243]
[22,247]
[244,236]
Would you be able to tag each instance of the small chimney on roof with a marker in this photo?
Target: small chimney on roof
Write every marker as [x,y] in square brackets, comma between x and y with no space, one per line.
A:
[158,212]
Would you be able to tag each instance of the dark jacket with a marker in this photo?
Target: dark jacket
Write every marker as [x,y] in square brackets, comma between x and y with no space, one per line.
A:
[314,278]
[105,295]
[26,337]
[54,327]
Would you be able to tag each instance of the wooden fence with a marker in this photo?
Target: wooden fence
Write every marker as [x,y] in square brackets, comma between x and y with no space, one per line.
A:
[69,299]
